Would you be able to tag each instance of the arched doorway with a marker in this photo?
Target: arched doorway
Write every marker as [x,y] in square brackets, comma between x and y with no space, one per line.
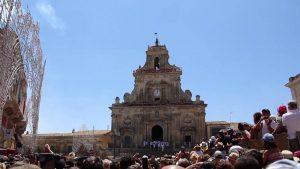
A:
[157,133]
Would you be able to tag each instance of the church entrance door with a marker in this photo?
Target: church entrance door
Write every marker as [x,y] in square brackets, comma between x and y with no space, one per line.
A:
[157,133]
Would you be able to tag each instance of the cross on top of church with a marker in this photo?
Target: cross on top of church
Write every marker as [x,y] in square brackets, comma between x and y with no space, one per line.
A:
[156,40]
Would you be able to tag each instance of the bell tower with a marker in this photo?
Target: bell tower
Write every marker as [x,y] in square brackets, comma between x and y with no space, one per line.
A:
[157,57]
[158,82]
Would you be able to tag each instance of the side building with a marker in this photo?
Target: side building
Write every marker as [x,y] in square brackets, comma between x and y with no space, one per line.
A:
[158,109]
[81,142]
[294,85]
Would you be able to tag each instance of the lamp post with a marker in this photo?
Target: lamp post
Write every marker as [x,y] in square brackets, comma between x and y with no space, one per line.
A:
[73,146]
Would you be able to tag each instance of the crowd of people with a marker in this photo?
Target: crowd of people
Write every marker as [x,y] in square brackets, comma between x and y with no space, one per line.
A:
[227,150]
[156,144]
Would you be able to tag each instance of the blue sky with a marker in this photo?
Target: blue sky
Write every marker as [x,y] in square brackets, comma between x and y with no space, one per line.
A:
[237,55]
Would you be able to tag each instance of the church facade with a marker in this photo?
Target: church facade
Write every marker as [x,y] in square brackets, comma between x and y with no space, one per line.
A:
[158,109]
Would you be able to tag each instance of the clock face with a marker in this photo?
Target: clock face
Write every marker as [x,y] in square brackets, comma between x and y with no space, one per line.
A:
[156,93]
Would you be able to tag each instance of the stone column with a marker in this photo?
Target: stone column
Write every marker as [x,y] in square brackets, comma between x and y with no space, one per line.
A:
[146,131]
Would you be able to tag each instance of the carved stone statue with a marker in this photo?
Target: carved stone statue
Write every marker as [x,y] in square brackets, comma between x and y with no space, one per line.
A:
[117,100]
[127,98]
[188,95]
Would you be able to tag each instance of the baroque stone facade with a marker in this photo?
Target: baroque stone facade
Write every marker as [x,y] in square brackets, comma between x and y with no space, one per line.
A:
[158,109]
[294,85]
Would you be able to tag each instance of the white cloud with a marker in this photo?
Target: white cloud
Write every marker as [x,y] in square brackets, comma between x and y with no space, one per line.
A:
[49,13]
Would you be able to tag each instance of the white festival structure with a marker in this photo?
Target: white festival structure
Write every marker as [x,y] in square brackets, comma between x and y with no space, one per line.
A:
[21,53]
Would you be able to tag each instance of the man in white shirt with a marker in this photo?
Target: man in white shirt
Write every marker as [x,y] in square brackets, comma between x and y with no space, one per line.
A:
[291,121]
[268,124]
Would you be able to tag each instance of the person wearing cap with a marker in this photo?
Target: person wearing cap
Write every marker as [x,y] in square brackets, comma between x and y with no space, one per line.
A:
[281,110]
[271,152]
[297,154]
[291,122]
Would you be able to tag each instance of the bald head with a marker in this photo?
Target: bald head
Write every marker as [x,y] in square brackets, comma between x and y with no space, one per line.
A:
[172,167]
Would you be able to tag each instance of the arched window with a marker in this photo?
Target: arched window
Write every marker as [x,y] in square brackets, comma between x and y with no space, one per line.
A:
[156,63]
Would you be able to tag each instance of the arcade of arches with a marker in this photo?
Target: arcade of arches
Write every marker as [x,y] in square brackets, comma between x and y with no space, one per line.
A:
[158,109]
